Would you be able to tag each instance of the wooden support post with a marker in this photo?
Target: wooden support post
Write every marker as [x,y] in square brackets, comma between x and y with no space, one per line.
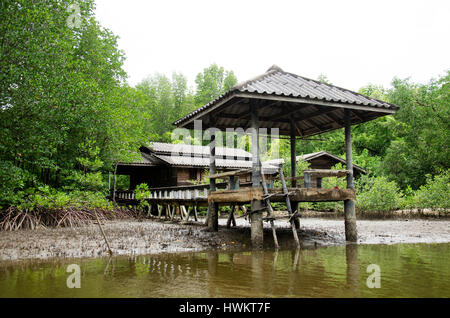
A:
[195,213]
[213,208]
[233,182]
[244,210]
[188,210]
[351,233]
[257,217]
[184,215]
[231,218]
[294,167]
[115,181]
[103,234]
[289,208]
[270,213]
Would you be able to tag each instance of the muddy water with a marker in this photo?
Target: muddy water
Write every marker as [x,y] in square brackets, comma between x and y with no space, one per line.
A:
[406,270]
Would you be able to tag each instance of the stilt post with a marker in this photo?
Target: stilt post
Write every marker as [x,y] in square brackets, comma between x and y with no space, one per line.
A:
[256,218]
[213,208]
[294,168]
[351,234]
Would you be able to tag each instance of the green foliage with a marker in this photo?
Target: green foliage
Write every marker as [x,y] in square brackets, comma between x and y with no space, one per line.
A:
[421,131]
[435,193]
[87,178]
[378,194]
[142,192]
[213,82]
[163,101]
[53,199]
[67,116]
[12,184]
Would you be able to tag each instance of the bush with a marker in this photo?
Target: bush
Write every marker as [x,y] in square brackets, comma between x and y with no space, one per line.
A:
[435,193]
[12,184]
[142,193]
[48,198]
[378,194]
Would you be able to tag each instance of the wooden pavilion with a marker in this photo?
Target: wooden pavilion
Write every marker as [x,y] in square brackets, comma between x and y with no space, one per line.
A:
[299,107]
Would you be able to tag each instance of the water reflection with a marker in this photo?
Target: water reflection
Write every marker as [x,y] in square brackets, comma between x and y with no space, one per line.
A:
[325,272]
[351,257]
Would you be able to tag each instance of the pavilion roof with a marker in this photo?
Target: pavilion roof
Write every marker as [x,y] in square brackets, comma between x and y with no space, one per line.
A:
[284,98]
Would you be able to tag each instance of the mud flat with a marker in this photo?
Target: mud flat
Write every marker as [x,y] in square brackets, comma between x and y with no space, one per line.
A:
[132,237]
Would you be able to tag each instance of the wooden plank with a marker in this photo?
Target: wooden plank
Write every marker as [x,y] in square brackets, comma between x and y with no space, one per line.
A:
[230,173]
[243,195]
[313,195]
[294,178]
[323,173]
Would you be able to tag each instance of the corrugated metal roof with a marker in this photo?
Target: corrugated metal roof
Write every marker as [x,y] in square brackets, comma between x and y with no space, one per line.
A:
[220,163]
[166,148]
[145,160]
[276,82]
[198,156]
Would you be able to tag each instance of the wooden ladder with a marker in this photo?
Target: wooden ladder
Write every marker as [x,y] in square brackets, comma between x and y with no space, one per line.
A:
[292,215]
[270,216]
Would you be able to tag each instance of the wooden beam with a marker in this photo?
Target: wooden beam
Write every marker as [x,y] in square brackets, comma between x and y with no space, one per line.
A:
[313,195]
[242,195]
[256,169]
[212,218]
[326,173]
[317,102]
[246,114]
[230,173]
[293,154]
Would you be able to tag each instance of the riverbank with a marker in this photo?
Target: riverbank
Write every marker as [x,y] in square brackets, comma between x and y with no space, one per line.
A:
[383,215]
[133,237]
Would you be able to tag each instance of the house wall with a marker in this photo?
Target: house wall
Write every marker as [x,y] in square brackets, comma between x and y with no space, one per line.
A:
[161,176]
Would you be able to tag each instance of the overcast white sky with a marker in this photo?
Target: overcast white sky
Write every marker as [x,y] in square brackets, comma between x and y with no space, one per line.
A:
[353,43]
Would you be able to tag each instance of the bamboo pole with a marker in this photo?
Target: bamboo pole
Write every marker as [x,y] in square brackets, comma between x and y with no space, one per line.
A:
[103,233]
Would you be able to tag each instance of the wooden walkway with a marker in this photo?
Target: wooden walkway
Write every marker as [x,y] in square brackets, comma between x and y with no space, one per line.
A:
[227,193]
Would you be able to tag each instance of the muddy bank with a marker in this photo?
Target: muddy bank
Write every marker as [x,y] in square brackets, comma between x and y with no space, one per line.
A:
[131,237]
[381,215]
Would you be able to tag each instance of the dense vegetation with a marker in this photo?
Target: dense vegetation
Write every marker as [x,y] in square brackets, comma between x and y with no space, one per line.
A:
[67,115]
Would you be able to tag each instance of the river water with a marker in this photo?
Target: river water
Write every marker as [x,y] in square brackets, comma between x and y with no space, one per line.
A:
[405,270]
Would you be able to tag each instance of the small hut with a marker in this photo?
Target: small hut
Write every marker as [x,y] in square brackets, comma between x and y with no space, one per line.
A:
[326,160]
[169,165]
[299,107]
